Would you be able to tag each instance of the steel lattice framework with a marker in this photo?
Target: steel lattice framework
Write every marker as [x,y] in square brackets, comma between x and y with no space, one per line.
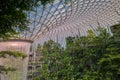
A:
[57,21]
[69,18]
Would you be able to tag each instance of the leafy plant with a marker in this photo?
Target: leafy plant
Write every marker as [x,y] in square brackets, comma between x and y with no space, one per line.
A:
[15,54]
[4,54]
[92,57]
[13,15]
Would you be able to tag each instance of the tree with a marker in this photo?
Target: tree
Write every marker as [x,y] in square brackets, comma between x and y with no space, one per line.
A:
[109,63]
[55,63]
[92,57]
[13,15]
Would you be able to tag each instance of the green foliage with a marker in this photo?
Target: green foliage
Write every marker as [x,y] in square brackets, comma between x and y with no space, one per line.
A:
[15,54]
[116,30]
[44,2]
[56,65]
[13,15]
[4,54]
[5,69]
[92,57]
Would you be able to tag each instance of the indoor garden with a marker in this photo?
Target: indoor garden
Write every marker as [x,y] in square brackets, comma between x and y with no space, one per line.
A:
[59,39]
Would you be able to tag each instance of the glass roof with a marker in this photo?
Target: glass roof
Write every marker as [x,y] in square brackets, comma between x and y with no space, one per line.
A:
[74,17]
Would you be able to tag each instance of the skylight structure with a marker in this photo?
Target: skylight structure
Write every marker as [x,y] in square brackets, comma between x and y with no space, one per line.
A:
[71,17]
[61,19]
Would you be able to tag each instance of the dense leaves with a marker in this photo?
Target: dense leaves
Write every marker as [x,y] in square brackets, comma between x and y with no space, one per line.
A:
[55,63]
[92,57]
[13,15]
[15,54]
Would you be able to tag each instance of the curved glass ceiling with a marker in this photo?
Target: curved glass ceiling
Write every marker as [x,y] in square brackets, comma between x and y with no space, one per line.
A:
[74,17]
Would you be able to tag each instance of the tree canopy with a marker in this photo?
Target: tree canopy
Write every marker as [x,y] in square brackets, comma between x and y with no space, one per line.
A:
[92,57]
[13,15]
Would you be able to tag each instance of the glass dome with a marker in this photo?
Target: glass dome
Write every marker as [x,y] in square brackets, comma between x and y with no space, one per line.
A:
[59,20]
[69,18]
